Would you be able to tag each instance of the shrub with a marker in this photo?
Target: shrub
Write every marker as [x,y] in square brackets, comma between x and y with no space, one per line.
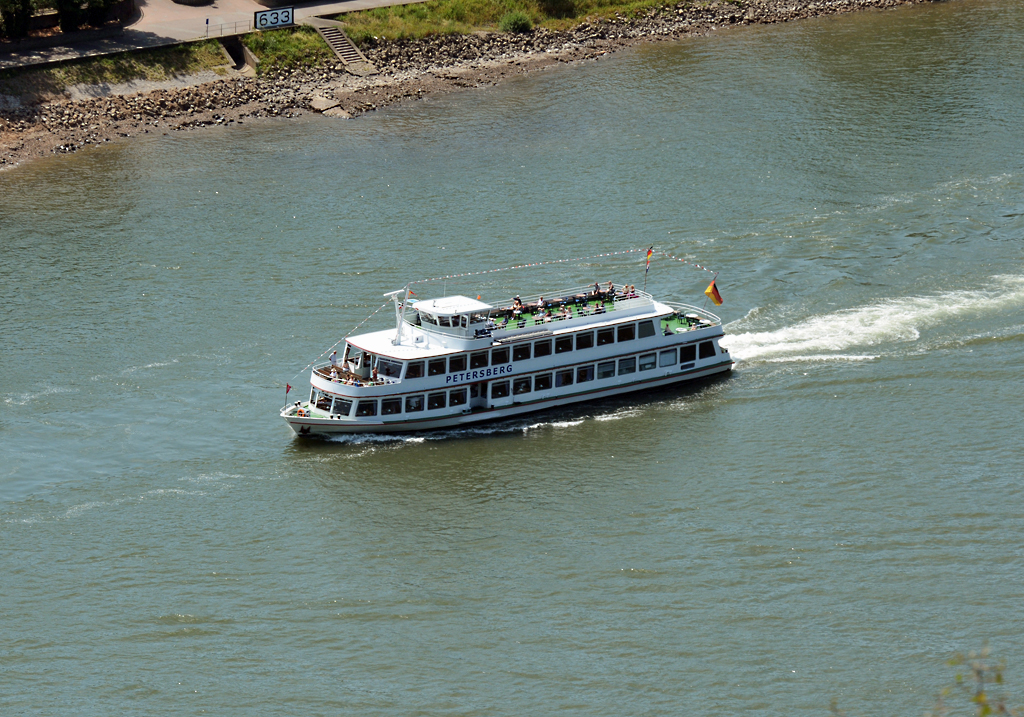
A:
[515,21]
[14,17]
[69,14]
[96,11]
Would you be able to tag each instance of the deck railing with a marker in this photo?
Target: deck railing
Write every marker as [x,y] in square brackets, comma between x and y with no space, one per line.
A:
[689,308]
[324,371]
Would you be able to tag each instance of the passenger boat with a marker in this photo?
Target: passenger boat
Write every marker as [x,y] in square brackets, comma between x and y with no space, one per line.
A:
[455,360]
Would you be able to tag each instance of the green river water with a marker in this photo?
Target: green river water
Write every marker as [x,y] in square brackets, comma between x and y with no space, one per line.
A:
[834,520]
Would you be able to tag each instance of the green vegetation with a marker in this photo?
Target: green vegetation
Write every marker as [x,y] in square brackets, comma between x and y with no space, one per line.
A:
[515,21]
[159,64]
[294,47]
[978,690]
[15,14]
[464,16]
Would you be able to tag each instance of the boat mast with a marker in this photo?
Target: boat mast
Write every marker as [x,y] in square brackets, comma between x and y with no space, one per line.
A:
[399,315]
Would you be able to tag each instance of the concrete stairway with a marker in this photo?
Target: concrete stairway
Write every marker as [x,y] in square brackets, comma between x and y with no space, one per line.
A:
[343,47]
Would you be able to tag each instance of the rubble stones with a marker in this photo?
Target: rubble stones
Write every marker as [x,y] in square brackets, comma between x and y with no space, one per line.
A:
[407,70]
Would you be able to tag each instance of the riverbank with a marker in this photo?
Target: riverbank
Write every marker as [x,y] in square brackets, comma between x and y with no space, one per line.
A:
[408,70]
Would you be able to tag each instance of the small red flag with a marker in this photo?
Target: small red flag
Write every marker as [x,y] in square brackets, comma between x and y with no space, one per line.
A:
[287,388]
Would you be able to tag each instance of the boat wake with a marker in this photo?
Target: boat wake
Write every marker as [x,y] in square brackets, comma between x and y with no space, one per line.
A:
[526,424]
[830,337]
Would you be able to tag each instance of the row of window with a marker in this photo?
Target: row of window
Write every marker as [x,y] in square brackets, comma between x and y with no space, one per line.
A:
[525,350]
[518,386]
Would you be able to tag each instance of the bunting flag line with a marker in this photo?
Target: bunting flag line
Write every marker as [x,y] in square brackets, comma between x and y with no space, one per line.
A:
[684,261]
[526,266]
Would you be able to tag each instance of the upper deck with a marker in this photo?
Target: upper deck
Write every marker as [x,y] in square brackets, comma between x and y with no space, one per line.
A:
[436,327]
[381,358]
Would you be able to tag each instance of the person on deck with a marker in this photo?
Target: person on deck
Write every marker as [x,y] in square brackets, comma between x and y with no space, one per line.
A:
[334,359]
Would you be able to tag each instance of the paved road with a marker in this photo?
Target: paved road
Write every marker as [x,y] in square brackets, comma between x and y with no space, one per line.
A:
[162,22]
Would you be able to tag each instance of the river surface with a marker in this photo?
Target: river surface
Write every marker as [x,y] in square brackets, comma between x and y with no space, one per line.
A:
[832,521]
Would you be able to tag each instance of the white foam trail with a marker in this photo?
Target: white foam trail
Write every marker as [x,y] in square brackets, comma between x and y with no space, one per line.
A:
[889,321]
[24,399]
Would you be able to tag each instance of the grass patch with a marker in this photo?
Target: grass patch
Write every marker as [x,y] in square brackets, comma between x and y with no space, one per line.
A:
[293,47]
[463,16]
[158,64]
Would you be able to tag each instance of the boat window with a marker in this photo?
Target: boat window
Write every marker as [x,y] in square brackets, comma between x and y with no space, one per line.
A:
[521,385]
[390,406]
[444,321]
[413,403]
[707,349]
[687,353]
[499,389]
[342,407]
[392,369]
[324,402]
[627,365]
[563,344]
[457,397]
[668,358]
[427,317]
[312,395]
[584,340]
[648,361]
[463,321]
[605,336]
[414,369]
[542,348]
[435,400]
[645,329]
[606,369]
[478,360]
[521,352]
[435,367]
[627,332]
[584,373]
[542,382]
[367,407]
[457,363]
[477,318]
[499,356]
[563,378]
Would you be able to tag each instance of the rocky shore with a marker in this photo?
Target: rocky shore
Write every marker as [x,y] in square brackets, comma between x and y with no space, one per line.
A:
[407,70]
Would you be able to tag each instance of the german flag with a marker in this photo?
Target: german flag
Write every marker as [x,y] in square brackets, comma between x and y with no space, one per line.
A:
[712,293]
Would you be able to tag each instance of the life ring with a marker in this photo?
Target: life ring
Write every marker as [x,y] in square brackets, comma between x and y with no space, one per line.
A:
[302,413]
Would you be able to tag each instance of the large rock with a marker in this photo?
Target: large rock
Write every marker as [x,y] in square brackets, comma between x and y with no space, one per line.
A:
[322,104]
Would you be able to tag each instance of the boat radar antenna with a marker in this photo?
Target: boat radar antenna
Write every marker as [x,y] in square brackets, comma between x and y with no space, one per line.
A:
[399,311]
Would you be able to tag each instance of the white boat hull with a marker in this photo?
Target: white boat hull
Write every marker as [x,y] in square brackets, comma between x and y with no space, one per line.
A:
[316,426]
